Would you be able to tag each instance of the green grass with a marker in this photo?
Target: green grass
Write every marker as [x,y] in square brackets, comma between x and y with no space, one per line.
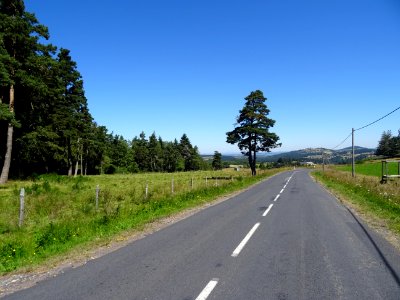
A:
[365,193]
[61,214]
[370,168]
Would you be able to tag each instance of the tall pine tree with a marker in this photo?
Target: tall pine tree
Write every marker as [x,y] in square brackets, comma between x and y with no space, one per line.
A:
[252,131]
[20,47]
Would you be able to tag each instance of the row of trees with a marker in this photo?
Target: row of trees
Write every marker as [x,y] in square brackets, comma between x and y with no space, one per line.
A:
[389,144]
[43,108]
[45,123]
[151,155]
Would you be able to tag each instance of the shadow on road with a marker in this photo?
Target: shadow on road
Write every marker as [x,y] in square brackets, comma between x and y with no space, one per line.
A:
[387,264]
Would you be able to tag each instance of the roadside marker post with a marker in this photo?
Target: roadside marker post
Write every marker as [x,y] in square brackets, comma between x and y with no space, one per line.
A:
[21,207]
[97,197]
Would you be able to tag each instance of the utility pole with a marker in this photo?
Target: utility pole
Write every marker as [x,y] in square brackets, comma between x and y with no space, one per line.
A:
[352,153]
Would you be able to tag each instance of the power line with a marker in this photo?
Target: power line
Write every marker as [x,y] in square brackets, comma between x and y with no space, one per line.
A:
[342,141]
[377,120]
[365,127]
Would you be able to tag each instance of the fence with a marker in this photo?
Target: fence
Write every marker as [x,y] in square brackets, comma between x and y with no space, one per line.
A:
[61,198]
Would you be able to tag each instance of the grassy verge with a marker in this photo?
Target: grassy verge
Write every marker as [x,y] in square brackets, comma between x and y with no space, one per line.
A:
[60,212]
[378,202]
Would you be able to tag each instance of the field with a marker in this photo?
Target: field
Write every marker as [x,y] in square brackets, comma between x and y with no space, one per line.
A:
[370,168]
[61,212]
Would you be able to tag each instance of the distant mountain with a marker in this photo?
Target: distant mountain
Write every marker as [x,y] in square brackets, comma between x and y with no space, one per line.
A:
[317,155]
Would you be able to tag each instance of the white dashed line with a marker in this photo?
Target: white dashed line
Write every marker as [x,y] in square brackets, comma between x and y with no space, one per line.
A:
[267,210]
[281,191]
[276,198]
[208,289]
[245,240]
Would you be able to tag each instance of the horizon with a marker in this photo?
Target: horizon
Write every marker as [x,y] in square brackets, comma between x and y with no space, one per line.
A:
[281,152]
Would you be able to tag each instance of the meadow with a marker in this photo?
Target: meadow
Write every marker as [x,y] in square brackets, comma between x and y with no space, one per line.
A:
[370,168]
[61,213]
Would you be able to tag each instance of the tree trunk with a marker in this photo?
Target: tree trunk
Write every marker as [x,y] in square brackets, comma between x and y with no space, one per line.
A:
[254,171]
[7,159]
[252,164]
[76,167]
[69,156]
[86,163]
[81,164]
[69,167]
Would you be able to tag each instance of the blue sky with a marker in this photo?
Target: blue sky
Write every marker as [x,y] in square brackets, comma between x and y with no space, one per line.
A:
[175,67]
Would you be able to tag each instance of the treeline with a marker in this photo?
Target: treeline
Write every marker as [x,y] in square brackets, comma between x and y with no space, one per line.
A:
[151,155]
[45,123]
[389,145]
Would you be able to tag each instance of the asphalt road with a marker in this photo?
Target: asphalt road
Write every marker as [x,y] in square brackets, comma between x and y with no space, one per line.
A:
[286,238]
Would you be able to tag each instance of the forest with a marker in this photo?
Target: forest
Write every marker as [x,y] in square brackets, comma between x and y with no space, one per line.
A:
[45,122]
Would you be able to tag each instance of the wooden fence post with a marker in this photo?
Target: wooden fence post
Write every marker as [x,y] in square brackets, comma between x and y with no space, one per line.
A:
[21,207]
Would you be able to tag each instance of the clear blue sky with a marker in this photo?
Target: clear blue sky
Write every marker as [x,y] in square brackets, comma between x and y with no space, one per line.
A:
[177,67]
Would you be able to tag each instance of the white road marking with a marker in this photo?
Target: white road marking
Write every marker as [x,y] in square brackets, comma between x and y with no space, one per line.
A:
[245,240]
[281,191]
[268,209]
[276,198]
[207,290]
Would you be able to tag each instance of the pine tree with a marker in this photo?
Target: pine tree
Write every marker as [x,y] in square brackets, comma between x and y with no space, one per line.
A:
[384,146]
[155,154]
[252,131]
[20,48]
[140,152]
[190,154]
[217,161]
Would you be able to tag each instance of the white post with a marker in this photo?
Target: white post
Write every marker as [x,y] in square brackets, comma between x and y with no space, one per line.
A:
[97,196]
[191,184]
[21,207]
[206,182]
[147,189]
[172,185]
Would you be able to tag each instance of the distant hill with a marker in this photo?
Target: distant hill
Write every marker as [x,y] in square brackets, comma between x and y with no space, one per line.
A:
[316,155]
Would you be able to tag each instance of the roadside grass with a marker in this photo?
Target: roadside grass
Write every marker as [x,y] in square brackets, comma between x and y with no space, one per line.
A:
[60,211]
[366,194]
[370,168]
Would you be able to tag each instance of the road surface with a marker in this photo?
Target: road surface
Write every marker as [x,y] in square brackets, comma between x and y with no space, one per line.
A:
[286,238]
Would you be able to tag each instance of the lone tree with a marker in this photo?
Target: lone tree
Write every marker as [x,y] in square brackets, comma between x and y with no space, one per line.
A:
[252,129]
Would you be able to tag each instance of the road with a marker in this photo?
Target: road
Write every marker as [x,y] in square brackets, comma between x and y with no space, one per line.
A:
[285,238]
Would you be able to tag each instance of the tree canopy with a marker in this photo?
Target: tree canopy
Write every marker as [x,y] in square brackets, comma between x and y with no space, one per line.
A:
[252,129]
[389,145]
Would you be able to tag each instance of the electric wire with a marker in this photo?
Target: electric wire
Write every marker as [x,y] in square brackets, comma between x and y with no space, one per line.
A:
[341,143]
[378,119]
